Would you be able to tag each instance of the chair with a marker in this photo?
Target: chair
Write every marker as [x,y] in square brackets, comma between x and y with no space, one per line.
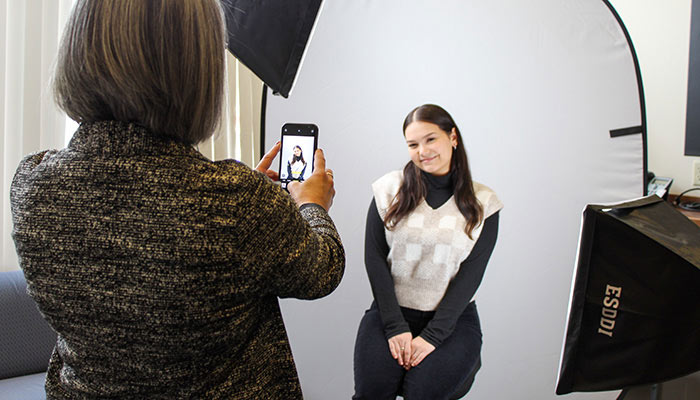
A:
[26,341]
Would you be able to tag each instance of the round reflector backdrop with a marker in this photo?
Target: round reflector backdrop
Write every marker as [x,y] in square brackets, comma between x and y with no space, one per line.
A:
[547,97]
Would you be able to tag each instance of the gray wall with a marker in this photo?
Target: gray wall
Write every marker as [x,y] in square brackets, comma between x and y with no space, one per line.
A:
[535,88]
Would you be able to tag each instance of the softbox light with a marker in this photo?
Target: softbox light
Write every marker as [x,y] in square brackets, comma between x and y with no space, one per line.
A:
[270,37]
[634,314]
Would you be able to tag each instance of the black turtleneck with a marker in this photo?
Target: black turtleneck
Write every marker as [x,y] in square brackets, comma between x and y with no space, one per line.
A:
[460,290]
[440,188]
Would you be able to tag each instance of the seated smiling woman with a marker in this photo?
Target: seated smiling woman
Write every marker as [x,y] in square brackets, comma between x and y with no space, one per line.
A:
[430,233]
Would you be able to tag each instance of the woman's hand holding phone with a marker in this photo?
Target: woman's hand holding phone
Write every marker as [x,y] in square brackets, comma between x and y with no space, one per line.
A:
[318,188]
[265,163]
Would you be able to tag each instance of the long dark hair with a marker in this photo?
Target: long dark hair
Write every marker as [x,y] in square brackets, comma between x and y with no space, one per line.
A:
[300,157]
[413,190]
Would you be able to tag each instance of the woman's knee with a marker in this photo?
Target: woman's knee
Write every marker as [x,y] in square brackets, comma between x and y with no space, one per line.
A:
[444,371]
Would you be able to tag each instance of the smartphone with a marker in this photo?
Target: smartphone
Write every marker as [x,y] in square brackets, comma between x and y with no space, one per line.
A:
[299,144]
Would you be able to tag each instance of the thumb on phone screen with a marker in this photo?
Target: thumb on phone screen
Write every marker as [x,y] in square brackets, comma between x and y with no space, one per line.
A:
[319,188]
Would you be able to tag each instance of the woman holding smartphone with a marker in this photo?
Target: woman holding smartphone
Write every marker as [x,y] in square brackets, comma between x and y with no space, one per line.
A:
[160,269]
[429,235]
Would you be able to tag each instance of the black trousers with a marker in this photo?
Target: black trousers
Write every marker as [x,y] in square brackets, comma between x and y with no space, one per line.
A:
[379,376]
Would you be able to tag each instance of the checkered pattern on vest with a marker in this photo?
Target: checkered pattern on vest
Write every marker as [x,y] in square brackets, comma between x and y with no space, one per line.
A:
[428,246]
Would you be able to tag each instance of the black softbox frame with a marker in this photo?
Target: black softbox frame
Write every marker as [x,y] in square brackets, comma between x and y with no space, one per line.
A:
[270,36]
[634,312]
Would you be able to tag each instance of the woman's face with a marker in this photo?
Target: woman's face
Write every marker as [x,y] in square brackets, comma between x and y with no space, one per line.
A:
[429,147]
[297,151]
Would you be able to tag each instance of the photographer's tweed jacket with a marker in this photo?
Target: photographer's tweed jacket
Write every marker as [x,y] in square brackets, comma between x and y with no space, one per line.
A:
[161,270]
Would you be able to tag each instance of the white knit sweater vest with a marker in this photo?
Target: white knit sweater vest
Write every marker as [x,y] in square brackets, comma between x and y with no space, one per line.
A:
[427,246]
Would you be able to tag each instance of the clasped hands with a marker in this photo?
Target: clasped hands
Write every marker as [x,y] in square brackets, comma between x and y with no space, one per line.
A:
[409,351]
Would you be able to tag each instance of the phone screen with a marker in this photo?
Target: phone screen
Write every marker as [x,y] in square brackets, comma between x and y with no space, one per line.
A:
[299,143]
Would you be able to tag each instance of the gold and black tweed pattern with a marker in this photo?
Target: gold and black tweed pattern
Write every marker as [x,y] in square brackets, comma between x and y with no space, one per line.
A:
[161,270]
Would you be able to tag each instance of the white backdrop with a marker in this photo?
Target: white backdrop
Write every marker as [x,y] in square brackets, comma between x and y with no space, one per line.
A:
[535,88]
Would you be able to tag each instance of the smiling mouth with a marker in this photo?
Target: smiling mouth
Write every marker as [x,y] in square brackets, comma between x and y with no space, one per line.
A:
[428,159]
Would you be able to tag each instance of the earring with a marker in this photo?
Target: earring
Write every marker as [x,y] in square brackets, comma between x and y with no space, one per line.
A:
[454,147]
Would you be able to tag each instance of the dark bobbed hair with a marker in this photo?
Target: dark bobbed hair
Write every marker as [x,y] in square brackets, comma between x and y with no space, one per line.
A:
[157,63]
[412,190]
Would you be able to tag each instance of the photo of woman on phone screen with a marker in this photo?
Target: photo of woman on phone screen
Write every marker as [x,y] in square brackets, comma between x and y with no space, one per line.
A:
[296,166]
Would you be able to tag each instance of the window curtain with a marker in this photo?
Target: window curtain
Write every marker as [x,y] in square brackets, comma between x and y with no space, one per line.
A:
[29,121]
[30,31]
[238,136]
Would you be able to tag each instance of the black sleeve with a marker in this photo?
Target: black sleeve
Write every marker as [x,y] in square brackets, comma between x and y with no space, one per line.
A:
[376,252]
[462,288]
